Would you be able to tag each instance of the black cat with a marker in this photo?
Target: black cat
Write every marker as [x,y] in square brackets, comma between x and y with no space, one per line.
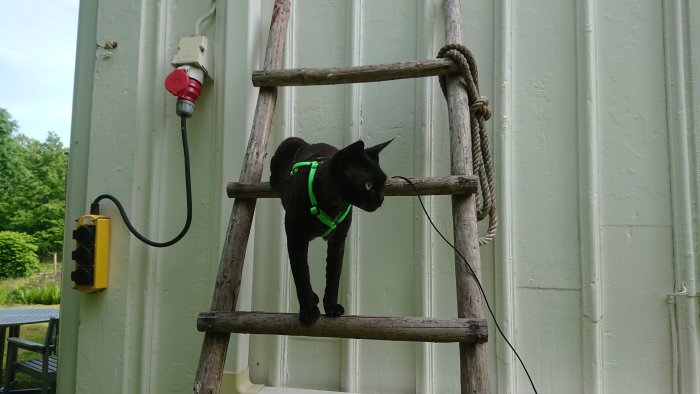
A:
[318,184]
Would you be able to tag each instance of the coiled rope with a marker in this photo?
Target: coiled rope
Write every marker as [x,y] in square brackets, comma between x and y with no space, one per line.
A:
[481,153]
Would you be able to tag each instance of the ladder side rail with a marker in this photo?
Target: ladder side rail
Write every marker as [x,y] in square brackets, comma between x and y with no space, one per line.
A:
[473,357]
[215,345]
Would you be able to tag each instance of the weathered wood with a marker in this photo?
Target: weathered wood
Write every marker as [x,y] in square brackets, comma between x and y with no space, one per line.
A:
[444,185]
[228,280]
[473,357]
[355,74]
[417,329]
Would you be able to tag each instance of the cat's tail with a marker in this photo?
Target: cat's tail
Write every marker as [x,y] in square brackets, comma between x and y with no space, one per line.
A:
[283,158]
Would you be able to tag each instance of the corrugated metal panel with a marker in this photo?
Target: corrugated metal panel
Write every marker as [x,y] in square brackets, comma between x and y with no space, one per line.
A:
[594,140]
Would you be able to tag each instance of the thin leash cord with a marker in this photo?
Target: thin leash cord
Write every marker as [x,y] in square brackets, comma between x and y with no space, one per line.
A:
[95,207]
[478,282]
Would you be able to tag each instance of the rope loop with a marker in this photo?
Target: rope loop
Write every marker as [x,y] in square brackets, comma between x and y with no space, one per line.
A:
[480,107]
[479,114]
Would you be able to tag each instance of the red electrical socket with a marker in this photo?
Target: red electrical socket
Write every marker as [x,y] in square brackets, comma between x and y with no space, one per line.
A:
[181,85]
[185,83]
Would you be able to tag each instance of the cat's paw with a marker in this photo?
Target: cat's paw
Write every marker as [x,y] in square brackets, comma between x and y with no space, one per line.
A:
[308,316]
[334,310]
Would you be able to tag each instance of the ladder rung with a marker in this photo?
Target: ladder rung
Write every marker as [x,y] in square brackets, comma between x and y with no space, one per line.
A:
[416,329]
[356,74]
[442,185]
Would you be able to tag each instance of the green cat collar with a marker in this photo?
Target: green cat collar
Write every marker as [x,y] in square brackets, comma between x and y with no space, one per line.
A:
[332,223]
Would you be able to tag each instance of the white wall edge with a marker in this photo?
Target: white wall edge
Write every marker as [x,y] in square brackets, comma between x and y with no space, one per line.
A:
[677,79]
[589,197]
[425,48]
[287,112]
[350,347]
[504,275]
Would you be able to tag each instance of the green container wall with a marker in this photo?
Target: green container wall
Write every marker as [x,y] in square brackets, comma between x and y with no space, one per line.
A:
[594,141]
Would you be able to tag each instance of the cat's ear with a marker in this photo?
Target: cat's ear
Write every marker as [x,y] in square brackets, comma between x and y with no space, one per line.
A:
[373,151]
[354,149]
[346,156]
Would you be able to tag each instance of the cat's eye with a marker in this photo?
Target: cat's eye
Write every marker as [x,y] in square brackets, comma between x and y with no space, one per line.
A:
[368,185]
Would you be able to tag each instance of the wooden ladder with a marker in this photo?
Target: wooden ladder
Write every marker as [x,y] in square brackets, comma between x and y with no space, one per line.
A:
[469,329]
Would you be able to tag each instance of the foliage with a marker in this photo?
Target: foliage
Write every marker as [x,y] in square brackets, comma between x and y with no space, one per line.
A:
[46,294]
[32,185]
[17,255]
[9,154]
[45,278]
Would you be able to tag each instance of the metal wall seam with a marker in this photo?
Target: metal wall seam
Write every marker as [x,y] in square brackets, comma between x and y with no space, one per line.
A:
[504,275]
[677,106]
[140,280]
[425,48]
[280,365]
[154,28]
[692,13]
[589,192]
[350,347]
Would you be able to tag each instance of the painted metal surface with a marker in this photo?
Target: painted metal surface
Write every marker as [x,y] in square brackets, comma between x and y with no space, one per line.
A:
[594,134]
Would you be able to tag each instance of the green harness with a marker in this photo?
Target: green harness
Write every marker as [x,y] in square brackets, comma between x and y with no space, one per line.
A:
[332,223]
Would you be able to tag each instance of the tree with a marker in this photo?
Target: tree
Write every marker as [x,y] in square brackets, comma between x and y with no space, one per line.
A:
[17,255]
[9,155]
[32,185]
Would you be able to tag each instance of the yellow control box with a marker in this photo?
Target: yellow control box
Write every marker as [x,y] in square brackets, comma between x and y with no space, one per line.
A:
[91,254]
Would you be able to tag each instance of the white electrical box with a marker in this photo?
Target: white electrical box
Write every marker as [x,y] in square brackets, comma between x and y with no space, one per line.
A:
[195,51]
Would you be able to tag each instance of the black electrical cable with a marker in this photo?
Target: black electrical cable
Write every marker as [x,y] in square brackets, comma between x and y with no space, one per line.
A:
[483,293]
[95,207]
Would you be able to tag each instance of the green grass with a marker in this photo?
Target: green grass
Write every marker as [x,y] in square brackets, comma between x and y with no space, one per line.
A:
[45,294]
[42,287]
